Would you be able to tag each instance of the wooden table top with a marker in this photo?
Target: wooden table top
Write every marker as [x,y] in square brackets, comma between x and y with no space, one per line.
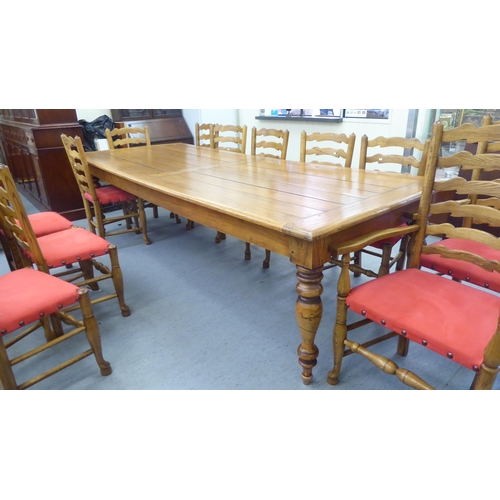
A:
[276,199]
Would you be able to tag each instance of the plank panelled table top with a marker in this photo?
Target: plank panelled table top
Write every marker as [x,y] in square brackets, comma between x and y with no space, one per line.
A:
[300,210]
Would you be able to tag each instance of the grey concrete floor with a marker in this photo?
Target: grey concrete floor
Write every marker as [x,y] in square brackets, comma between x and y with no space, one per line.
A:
[204,318]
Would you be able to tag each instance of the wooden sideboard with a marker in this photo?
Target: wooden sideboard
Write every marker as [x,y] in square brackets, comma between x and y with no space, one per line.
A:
[165,125]
[31,145]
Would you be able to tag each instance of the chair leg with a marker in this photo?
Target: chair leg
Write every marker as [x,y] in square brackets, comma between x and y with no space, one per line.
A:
[173,216]
[386,260]
[403,346]
[92,332]
[142,217]
[155,212]
[403,250]
[117,277]
[340,329]
[487,374]
[248,252]
[219,237]
[265,264]
[88,273]
[189,225]
[357,261]
[7,378]
[126,210]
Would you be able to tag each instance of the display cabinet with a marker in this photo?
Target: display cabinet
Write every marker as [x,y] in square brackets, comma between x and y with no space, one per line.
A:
[165,125]
[30,141]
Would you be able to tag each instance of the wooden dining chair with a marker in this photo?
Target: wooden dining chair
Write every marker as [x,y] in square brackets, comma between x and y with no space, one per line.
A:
[31,300]
[327,148]
[70,254]
[397,153]
[458,269]
[454,319]
[271,143]
[97,199]
[126,137]
[231,138]
[203,134]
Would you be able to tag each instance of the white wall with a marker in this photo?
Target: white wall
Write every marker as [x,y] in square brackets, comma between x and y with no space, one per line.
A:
[91,114]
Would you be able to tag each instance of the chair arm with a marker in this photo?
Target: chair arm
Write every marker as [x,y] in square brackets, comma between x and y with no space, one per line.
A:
[367,239]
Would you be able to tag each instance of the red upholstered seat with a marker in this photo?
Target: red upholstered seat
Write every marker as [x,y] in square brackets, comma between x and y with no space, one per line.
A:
[440,318]
[70,246]
[48,222]
[464,270]
[111,194]
[21,300]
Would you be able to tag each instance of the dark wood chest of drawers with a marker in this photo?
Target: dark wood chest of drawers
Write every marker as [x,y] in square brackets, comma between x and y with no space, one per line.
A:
[31,145]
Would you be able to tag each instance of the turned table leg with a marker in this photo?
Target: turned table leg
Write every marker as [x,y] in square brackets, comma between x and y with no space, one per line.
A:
[308,310]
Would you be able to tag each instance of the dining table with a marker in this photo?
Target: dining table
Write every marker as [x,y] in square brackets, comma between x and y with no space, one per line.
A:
[300,210]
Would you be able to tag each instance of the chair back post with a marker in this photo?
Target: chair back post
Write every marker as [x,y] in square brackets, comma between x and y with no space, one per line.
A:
[363,151]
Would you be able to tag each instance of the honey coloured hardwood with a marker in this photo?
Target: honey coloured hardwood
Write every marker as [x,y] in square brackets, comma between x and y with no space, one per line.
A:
[295,209]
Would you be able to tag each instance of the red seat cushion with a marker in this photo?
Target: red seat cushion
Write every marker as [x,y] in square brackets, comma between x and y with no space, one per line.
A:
[26,294]
[70,246]
[48,222]
[465,270]
[446,316]
[111,194]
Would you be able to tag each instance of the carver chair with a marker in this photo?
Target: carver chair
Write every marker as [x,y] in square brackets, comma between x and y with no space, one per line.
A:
[75,249]
[96,199]
[397,153]
[458,269]
[30,300]
[270,143]
[231,138]
[455,320]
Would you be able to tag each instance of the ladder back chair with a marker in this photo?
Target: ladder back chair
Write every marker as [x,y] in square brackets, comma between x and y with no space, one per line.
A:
[231,138]
[271,143]
[125,137]
[327,148]
[203,134]
[32,300]
[454,319]
[75,249]
[398,152]
[97,199]
[457,269]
